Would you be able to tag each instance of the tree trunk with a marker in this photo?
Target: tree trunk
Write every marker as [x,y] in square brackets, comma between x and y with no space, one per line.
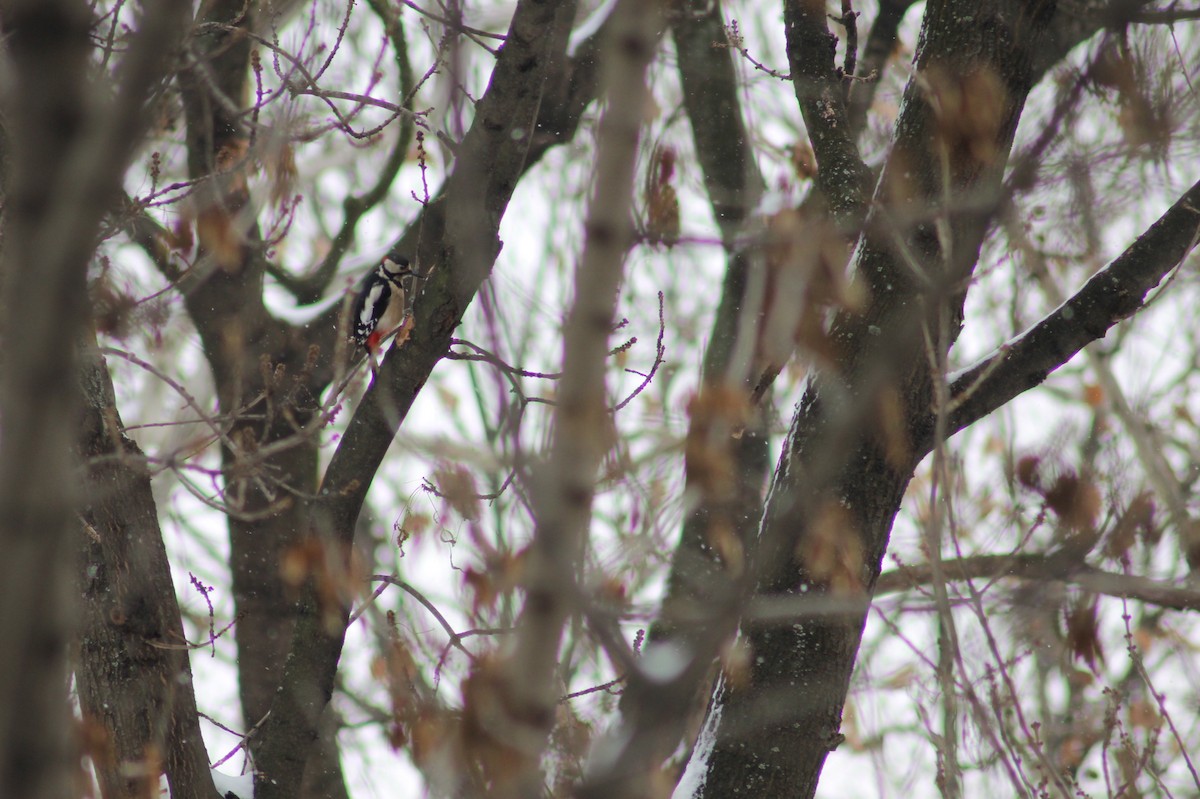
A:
[837,490]
[133,673]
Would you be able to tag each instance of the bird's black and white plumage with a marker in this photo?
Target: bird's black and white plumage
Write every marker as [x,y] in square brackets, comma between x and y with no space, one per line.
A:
[382,302]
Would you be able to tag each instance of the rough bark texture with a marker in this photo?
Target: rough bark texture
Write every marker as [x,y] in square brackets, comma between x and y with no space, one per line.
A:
[699,610]
[838,469]
[490,160]
[263,368]
[842,177]
[134,675]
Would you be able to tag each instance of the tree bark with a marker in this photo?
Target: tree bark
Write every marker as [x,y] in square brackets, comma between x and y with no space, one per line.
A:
[265,370]
[726,458]
[564,485]
[68,150]
[455,242]
[48,47]
[841,480]
[134,675]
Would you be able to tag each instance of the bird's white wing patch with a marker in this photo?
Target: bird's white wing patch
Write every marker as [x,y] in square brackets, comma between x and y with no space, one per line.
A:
[368,310]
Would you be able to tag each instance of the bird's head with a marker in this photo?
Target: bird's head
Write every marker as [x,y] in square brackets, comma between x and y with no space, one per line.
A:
[395,265]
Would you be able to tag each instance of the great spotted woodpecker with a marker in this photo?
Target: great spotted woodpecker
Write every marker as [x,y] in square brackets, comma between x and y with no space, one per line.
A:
[382,302]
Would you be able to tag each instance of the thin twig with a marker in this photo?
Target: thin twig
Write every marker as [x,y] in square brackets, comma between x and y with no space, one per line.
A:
[659,352]
[455,638]
[245,738]
[736,42]
[849,21]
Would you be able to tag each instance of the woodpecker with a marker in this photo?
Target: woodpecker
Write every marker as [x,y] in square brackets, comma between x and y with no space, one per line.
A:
[382,302]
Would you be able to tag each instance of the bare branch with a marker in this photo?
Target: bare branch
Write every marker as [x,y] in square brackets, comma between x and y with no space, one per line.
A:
[842,176]
[1051,566]
[134,655]
[464,29]
[68,141]
[881,44]
[455,639]
[490,160]
[659,352]
[1167,16]
[310,288]
[1111,295]
[566,482]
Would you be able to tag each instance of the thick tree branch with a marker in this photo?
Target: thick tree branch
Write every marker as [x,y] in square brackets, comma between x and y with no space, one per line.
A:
[878,50]
[255,360]
[134,676]
[239,336]
[565,483]
[735,187]
[69,143]
[1144,433]
[1165,17]
[1114,293]
[48,48]
[699,610]
[1060,567]
[842,177]
[456,239]
[710,97]
[842,476]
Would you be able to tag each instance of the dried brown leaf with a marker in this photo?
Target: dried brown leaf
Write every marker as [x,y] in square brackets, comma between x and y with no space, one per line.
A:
[831,550]
[970,108]
[1136,520]
[219,236]
[803,160]
[456,485]
[1028,472]
[716,413]
[662,203]
[1076,500]
[490,723]
[281,171]
[1083,632]
[113,310]
[1143,714]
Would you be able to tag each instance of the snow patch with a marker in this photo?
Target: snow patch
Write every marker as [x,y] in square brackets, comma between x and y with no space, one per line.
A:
[696,774]
[234,786]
